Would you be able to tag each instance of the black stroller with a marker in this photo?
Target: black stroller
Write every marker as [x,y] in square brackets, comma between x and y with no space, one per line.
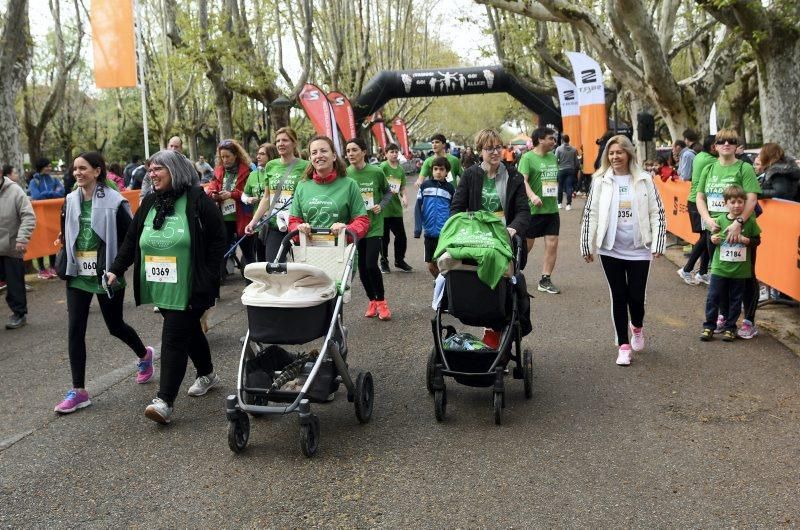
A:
[474,303]
[297,303]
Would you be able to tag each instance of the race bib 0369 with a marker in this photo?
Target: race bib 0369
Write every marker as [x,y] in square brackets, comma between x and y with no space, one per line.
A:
[161,269]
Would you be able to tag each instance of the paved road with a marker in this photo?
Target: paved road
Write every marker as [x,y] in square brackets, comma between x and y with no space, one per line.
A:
[691,434]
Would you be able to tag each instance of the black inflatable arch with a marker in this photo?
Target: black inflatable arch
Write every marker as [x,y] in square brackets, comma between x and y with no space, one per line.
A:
[391,84]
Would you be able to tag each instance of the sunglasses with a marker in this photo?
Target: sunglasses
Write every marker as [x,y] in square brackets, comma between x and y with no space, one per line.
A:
[495,149]
[730,141]
[225,144]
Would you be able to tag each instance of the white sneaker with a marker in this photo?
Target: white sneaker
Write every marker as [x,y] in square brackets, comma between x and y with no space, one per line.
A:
[203,384]
[702,278]
[624,357]
[158,411]
[559,206]
[637,338]
[686,276]
[569,207]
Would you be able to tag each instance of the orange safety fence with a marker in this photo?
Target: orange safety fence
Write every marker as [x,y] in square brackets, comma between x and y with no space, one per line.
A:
[48,224]
[778,261]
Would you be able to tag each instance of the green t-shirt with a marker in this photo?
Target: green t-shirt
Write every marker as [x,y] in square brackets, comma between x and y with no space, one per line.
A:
[321,205]
[455,168]
[542,175]
[86,247]
[700,163]
[734,261]
[373,185]
[229,184]
[490,200]
[165,275]
[275,170]
[256,185]
[716,177]
[396,177]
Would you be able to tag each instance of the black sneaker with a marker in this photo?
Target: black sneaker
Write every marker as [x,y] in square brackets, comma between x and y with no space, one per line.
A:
[384,266]
[546,286]
[16,321]
[403,266]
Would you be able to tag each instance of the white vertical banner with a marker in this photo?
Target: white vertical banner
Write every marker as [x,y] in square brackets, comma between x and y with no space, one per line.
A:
[712,120]
[592,103]
[567,96]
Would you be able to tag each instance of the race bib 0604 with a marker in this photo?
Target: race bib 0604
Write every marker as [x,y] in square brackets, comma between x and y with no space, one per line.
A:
[736,253]
[549,189]
[161,269]
[87,263]
[228,207]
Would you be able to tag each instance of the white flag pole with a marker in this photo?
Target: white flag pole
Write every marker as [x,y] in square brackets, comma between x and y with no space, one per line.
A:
[712,120]
[140,67]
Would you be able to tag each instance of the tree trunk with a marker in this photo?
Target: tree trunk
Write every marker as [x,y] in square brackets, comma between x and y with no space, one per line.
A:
[778,77]
[14,62]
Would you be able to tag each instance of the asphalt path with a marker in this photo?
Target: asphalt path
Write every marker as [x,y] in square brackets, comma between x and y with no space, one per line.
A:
[691,434]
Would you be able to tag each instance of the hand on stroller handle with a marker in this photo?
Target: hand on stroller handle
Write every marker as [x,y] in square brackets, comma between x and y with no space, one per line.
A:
[256,226]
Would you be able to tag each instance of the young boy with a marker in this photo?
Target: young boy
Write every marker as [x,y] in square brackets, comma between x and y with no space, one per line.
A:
[393,213]
[433,204]
[731,266]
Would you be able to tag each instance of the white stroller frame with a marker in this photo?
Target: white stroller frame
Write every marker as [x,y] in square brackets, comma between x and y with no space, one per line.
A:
[338,259]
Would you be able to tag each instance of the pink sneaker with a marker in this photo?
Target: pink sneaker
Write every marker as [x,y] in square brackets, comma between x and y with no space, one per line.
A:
[748,330]
[144,367]
[74,400]
[624,357]
[43,274]
[52,272]
[637,338]
[720,325]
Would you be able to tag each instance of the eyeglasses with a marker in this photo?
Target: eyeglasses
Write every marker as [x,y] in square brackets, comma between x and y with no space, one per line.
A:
[495,149]
[730,141]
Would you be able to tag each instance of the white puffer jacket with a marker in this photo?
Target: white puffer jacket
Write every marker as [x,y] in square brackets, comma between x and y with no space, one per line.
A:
[600,209]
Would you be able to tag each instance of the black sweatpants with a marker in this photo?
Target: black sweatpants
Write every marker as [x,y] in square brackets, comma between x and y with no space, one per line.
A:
[395,226]
[78,302]
[627,281]
[182,338]
[12,271]
[368,250]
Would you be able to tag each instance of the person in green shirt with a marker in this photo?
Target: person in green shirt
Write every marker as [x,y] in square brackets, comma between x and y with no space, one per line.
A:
[715,178]
[256,186]
[93,225]
[702,160]
[731,266]
[539,167]
[282,175]
[393,213]
[439,145]
[374,188]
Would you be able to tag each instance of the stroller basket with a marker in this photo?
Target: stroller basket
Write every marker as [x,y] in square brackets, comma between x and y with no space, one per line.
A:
[287,325]
[476,304]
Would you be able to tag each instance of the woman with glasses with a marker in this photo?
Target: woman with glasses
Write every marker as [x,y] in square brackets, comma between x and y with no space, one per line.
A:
[499,189]
[282,175]
[175,244]
[226,189]
[93,225]
[725,171]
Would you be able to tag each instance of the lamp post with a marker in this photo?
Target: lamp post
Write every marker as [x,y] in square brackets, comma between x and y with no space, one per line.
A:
[280,107]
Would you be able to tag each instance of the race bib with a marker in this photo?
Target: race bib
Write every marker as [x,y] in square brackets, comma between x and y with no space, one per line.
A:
[625,213]
[322,240]
[716,203]
[87,263]
[369,199]
[394,184]
[549,189]
[736,253]
[228,207]
[161,269]
[285,196]
[449,177]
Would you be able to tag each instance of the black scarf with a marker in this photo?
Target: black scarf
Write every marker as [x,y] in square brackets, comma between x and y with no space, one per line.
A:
[165,205]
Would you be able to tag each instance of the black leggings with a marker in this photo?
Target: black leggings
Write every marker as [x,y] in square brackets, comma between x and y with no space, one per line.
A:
[78,302]
[395,226]
[627,281]
[368,250]
[182,338]
[699,251]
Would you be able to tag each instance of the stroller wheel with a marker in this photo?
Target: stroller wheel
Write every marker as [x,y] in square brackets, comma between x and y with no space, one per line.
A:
[440,404]
[238,433]
[309,436]
[527,373]
[498,408]
[430,370]
[364,396]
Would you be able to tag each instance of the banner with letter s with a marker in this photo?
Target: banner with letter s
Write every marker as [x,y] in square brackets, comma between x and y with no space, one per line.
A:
[592,104]
[320,112]
[343,113]
[379,129]
[401,132]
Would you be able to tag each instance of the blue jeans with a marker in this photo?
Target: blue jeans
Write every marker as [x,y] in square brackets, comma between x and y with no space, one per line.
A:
[566,184]
[724,298]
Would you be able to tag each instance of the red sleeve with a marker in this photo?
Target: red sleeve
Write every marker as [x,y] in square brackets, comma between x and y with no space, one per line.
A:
[359,225]
[241,180]
[214,186]
[294,221]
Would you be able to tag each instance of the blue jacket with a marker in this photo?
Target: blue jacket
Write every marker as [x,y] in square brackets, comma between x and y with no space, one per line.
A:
[45,187]
[433,206]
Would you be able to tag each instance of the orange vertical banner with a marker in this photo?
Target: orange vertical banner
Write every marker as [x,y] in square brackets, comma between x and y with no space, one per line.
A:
[113,43]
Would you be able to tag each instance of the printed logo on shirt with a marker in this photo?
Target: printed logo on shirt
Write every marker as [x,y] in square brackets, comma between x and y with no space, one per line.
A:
[169,235]
[322,211]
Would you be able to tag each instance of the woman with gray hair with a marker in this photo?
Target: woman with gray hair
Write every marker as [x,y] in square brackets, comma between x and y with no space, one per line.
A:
[175,244]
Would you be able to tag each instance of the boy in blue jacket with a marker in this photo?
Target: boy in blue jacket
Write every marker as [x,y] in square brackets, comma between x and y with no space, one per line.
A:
[43,185]
[433,205]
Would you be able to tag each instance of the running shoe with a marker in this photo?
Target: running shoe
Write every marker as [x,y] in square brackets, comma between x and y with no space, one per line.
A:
[203,384]
[637,338]
[43,274]
[686,276]
[491,338]
[159,411]
[763,293]
[16,321]
[546,286]
[383,310]
[74,400]
[384,266]
[707,334]
[156,309]
[28,287]
[728,335]
[403,266]
[372,309]
[144,368]
[748,330]
[702,278]
[52,272]
[559,206]
[569,207]
[720,325]
[624,355]
[2,285]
